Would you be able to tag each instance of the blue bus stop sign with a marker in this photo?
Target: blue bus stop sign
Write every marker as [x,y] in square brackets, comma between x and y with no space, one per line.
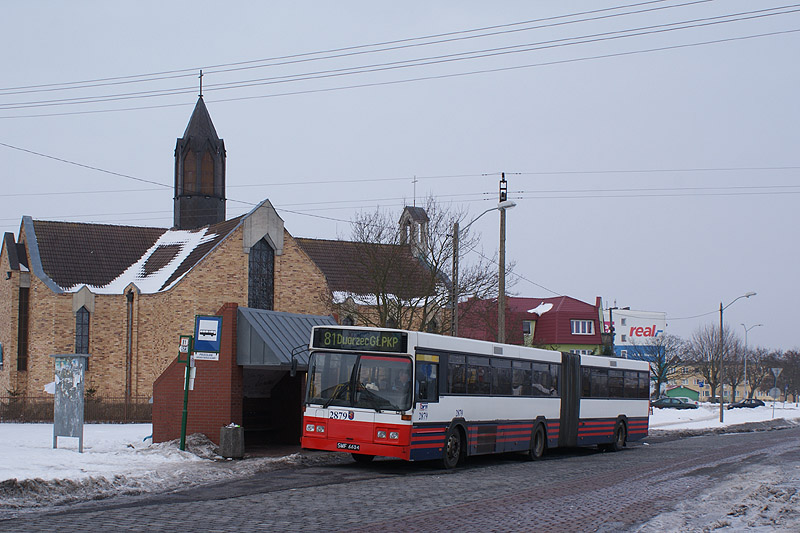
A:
[207,336]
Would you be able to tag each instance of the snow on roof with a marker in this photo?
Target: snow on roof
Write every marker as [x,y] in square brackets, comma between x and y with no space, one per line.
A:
[541,309]
[158,263]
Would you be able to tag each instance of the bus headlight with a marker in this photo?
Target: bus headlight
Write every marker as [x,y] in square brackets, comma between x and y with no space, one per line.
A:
[310,428]
[320,429]
[381,434]
[394,435]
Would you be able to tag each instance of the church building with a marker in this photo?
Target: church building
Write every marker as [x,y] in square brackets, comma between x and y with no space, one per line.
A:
[124,294]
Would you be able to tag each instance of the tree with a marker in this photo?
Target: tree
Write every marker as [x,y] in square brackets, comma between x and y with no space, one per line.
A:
[405,271]
[758,367]
[664,355]
[703,351]
[790,376]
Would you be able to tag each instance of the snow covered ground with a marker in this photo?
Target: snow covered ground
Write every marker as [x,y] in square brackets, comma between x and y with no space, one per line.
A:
[121,459]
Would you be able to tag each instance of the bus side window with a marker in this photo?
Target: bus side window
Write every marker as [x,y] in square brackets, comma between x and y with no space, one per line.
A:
[456,374]
[554,371]
[427,382]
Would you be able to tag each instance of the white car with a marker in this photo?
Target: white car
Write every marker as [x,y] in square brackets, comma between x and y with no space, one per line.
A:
[687,400]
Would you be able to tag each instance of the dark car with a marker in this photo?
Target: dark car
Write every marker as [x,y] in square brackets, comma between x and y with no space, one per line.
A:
[747,402]
[672,403]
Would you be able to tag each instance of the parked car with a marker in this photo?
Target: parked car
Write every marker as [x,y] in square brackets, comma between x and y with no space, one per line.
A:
[672,403]
[747,402]
[687,400]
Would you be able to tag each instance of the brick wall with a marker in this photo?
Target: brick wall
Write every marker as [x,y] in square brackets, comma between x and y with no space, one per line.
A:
[158,319]
[8,323]
[300,286]
[216,400]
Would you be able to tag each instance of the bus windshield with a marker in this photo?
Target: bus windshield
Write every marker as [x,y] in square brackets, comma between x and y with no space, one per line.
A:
[377,382]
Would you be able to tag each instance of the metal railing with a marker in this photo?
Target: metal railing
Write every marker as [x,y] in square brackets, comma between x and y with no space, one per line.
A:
[96,409]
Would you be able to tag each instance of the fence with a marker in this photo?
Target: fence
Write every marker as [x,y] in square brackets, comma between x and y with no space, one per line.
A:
[96,409]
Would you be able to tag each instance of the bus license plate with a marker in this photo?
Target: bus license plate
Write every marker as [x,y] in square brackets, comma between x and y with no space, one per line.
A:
[348,446]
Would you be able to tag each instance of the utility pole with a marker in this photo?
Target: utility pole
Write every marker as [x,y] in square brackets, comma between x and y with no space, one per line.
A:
[501,295]
[454,332]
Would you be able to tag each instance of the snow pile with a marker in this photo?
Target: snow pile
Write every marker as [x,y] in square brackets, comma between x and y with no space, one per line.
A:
[705,419]
[746,503]
[118,459]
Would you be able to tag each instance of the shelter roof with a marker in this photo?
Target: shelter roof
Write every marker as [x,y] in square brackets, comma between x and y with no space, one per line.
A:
[271,338]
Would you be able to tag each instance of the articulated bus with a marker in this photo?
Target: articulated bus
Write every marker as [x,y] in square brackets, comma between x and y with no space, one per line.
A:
[420,396]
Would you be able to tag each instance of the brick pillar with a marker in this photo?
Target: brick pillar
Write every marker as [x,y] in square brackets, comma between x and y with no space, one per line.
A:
[216,400]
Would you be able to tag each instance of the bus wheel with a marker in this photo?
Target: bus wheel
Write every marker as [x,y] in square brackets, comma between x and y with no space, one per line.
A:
[362,459]
[620,436]
[538,444]
[453,449]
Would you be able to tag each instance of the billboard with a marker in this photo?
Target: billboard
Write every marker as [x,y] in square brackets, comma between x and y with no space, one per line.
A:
[635,328]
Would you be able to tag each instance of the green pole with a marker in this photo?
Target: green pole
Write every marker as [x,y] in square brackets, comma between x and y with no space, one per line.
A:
[186,392]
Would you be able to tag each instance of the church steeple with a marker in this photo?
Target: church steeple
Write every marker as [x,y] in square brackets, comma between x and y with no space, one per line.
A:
[199,173]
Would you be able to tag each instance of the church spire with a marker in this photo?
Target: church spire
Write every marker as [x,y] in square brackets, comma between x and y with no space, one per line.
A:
[199,173]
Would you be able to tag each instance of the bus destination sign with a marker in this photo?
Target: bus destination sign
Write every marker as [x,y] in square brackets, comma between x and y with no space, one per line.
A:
[360,340]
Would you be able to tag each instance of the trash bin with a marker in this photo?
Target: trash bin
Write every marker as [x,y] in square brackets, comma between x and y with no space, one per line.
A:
[231,441]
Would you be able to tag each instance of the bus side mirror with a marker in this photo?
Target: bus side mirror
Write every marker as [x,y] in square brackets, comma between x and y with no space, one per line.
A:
[293,371]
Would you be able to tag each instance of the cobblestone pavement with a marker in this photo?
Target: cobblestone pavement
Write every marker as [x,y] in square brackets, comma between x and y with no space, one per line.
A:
[573,490]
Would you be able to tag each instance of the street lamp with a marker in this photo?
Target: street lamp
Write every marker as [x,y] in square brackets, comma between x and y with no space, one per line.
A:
[722,355]
[502,206]
[746,329]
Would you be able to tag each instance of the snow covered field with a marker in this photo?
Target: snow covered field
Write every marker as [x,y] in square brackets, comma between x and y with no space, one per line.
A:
[120,459]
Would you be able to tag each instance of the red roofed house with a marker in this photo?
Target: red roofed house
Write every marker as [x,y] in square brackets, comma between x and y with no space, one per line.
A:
[560,323]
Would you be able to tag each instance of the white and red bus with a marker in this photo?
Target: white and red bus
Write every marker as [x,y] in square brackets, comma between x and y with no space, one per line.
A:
[419,396]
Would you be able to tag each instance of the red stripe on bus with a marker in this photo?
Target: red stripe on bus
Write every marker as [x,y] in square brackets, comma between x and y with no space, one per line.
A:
[385,358]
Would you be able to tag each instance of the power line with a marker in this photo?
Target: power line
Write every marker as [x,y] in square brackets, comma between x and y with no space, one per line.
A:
[381,67]
[171,74]
[355,70]
[297,182]
[84,166]
[425,78]
[418,62]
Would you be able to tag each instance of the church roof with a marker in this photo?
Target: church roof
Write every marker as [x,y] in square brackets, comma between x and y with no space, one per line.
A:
[107,258]
[350,268]
[200,124]
[416,213]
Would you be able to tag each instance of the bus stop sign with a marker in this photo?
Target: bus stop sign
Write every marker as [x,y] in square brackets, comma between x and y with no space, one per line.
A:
[207,336]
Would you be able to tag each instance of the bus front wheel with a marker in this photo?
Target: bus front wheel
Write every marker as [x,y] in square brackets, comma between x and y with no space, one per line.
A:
[453,448]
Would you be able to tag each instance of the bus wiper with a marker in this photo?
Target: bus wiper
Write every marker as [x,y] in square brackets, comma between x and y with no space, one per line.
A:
[336,393]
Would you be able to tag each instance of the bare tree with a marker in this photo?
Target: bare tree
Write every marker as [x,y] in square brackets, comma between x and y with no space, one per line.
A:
[405,282]
[664,355]
[703,351]
[758,367]
[733,366]
[790,376]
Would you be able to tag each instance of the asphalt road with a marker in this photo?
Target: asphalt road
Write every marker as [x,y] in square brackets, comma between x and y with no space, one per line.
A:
[570,490]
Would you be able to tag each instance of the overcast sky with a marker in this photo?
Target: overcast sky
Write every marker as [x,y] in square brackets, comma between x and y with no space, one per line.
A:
[653,165]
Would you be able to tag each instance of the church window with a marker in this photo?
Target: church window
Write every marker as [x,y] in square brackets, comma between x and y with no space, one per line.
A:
[22,330]
[189,173]
[82,332]
[261,278]
[207,175]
